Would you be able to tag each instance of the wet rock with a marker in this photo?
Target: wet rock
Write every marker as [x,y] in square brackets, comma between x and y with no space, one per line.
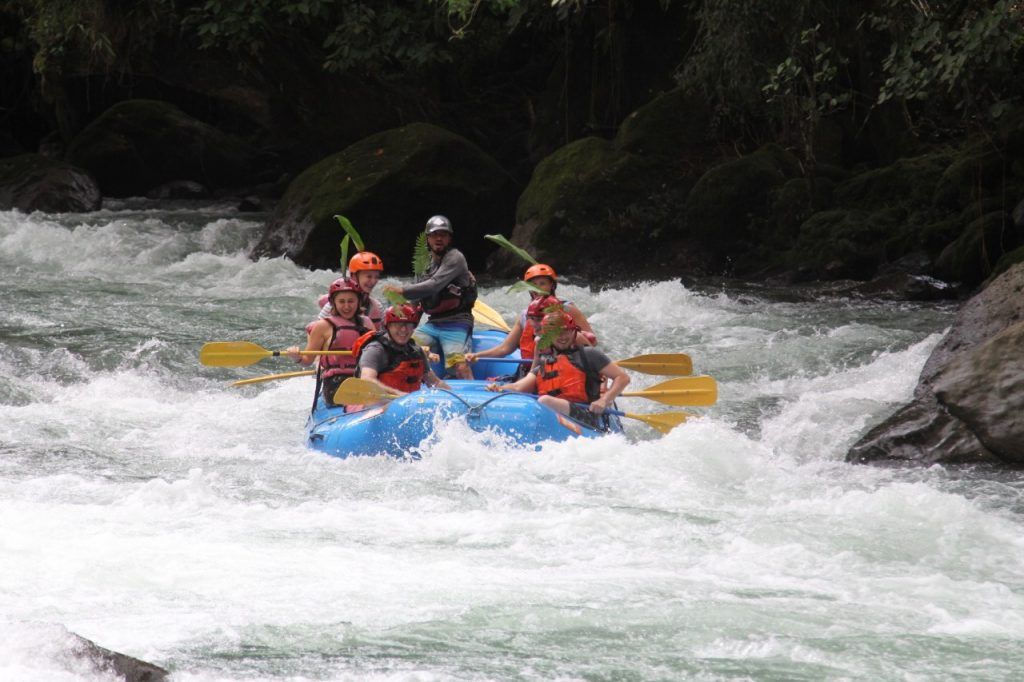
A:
[906,287]
[107,661]
[138,144]
[250,204]
[968,405]
[179,189]
[31,182]
[985,390]
[388,185]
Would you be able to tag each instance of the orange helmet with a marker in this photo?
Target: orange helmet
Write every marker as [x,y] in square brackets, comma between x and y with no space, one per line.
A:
[540,270]
[365,260]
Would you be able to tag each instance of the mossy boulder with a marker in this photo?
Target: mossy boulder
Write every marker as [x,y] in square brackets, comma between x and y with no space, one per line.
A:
[730,202]
[31,182]
[978,170]
[974,255]
[597,203]
[671,125]
[136,145]
[388,184]
[841,243]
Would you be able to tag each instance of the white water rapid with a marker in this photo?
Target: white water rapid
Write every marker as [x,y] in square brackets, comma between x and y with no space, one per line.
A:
[149,507]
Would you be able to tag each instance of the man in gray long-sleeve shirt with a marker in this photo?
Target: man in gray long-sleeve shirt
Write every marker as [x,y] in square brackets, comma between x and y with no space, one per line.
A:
[447,292]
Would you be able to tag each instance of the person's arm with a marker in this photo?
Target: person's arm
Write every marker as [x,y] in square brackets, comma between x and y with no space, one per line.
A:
[587,337]
[318,338]
[370,374]
[452,266]
[619,382]
[432,380]
[509,344]
[528,384]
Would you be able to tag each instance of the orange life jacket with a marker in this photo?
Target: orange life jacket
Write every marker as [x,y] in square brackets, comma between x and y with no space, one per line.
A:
[569,376]
[527,340]
[406,365]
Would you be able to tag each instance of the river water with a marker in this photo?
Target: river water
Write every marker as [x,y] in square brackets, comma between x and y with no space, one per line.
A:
[150,507]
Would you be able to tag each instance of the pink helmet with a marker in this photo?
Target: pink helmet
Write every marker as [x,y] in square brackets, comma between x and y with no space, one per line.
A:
[542,305]
[343,284]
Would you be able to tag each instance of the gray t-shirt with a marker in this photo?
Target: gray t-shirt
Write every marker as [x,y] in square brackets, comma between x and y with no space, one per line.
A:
[452,268]
[592,357]
[375,357]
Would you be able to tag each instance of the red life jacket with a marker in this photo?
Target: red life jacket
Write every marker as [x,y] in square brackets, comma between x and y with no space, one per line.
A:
[569,376]
[344,334]
[406,366]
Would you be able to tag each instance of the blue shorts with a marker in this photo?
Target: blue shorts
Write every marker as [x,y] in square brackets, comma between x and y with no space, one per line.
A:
[453,340]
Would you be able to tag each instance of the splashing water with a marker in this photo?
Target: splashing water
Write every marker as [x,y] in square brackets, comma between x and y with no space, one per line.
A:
[151,508]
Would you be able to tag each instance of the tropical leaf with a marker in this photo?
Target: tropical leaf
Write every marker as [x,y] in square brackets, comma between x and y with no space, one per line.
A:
[394,298]
[344,252]
[523,285]
[420,255]
[506,244]
[350,230]
[550,331]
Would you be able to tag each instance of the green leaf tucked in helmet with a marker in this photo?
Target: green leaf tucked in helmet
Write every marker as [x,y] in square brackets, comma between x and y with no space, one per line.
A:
[351,235]
[504,243]
[523,285]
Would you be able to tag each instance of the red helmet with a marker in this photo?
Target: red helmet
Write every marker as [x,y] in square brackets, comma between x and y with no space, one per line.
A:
[365,260]
[402,313]
[560,320]
[540,306]
[343,284]
[540,270]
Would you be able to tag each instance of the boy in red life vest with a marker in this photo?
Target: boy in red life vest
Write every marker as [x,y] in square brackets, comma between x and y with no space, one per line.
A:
[365,269]
[566,374]
[338,331]
[391,359]
[524,332]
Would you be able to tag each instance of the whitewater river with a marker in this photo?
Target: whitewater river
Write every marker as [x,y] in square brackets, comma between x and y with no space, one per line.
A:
[150,507]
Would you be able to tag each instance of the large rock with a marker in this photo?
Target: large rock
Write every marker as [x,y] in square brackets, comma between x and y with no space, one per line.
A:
[593,203]
[31,182]
[388,185]
[138,144]
[968,406]
[731,199]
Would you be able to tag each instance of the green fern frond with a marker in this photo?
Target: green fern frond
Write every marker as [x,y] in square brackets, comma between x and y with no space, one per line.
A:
[420,255]
[504,243]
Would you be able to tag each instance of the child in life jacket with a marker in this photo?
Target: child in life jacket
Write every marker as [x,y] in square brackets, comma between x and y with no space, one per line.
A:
[365,269]
[391,359]
[524,332]
[568,376]
[338,331]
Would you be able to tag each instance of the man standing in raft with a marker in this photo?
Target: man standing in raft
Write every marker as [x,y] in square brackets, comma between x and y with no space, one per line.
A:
[338,331]
[566,374]
[391,359]
[447,292]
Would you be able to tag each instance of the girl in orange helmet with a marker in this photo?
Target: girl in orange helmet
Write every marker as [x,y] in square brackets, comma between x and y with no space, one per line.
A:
[524,331]
[365,268]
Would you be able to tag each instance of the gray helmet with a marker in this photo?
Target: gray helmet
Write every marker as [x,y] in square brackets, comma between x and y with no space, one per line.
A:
[438,222]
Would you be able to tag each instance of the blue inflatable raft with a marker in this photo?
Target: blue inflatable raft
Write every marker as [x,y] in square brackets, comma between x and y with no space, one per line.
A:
[399,426]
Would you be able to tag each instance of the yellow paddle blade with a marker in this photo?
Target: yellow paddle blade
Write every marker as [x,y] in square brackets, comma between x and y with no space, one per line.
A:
[489,317]
[355,391]
[701,390]
[272,377]
[662,421]
[662,364]
[232,353]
